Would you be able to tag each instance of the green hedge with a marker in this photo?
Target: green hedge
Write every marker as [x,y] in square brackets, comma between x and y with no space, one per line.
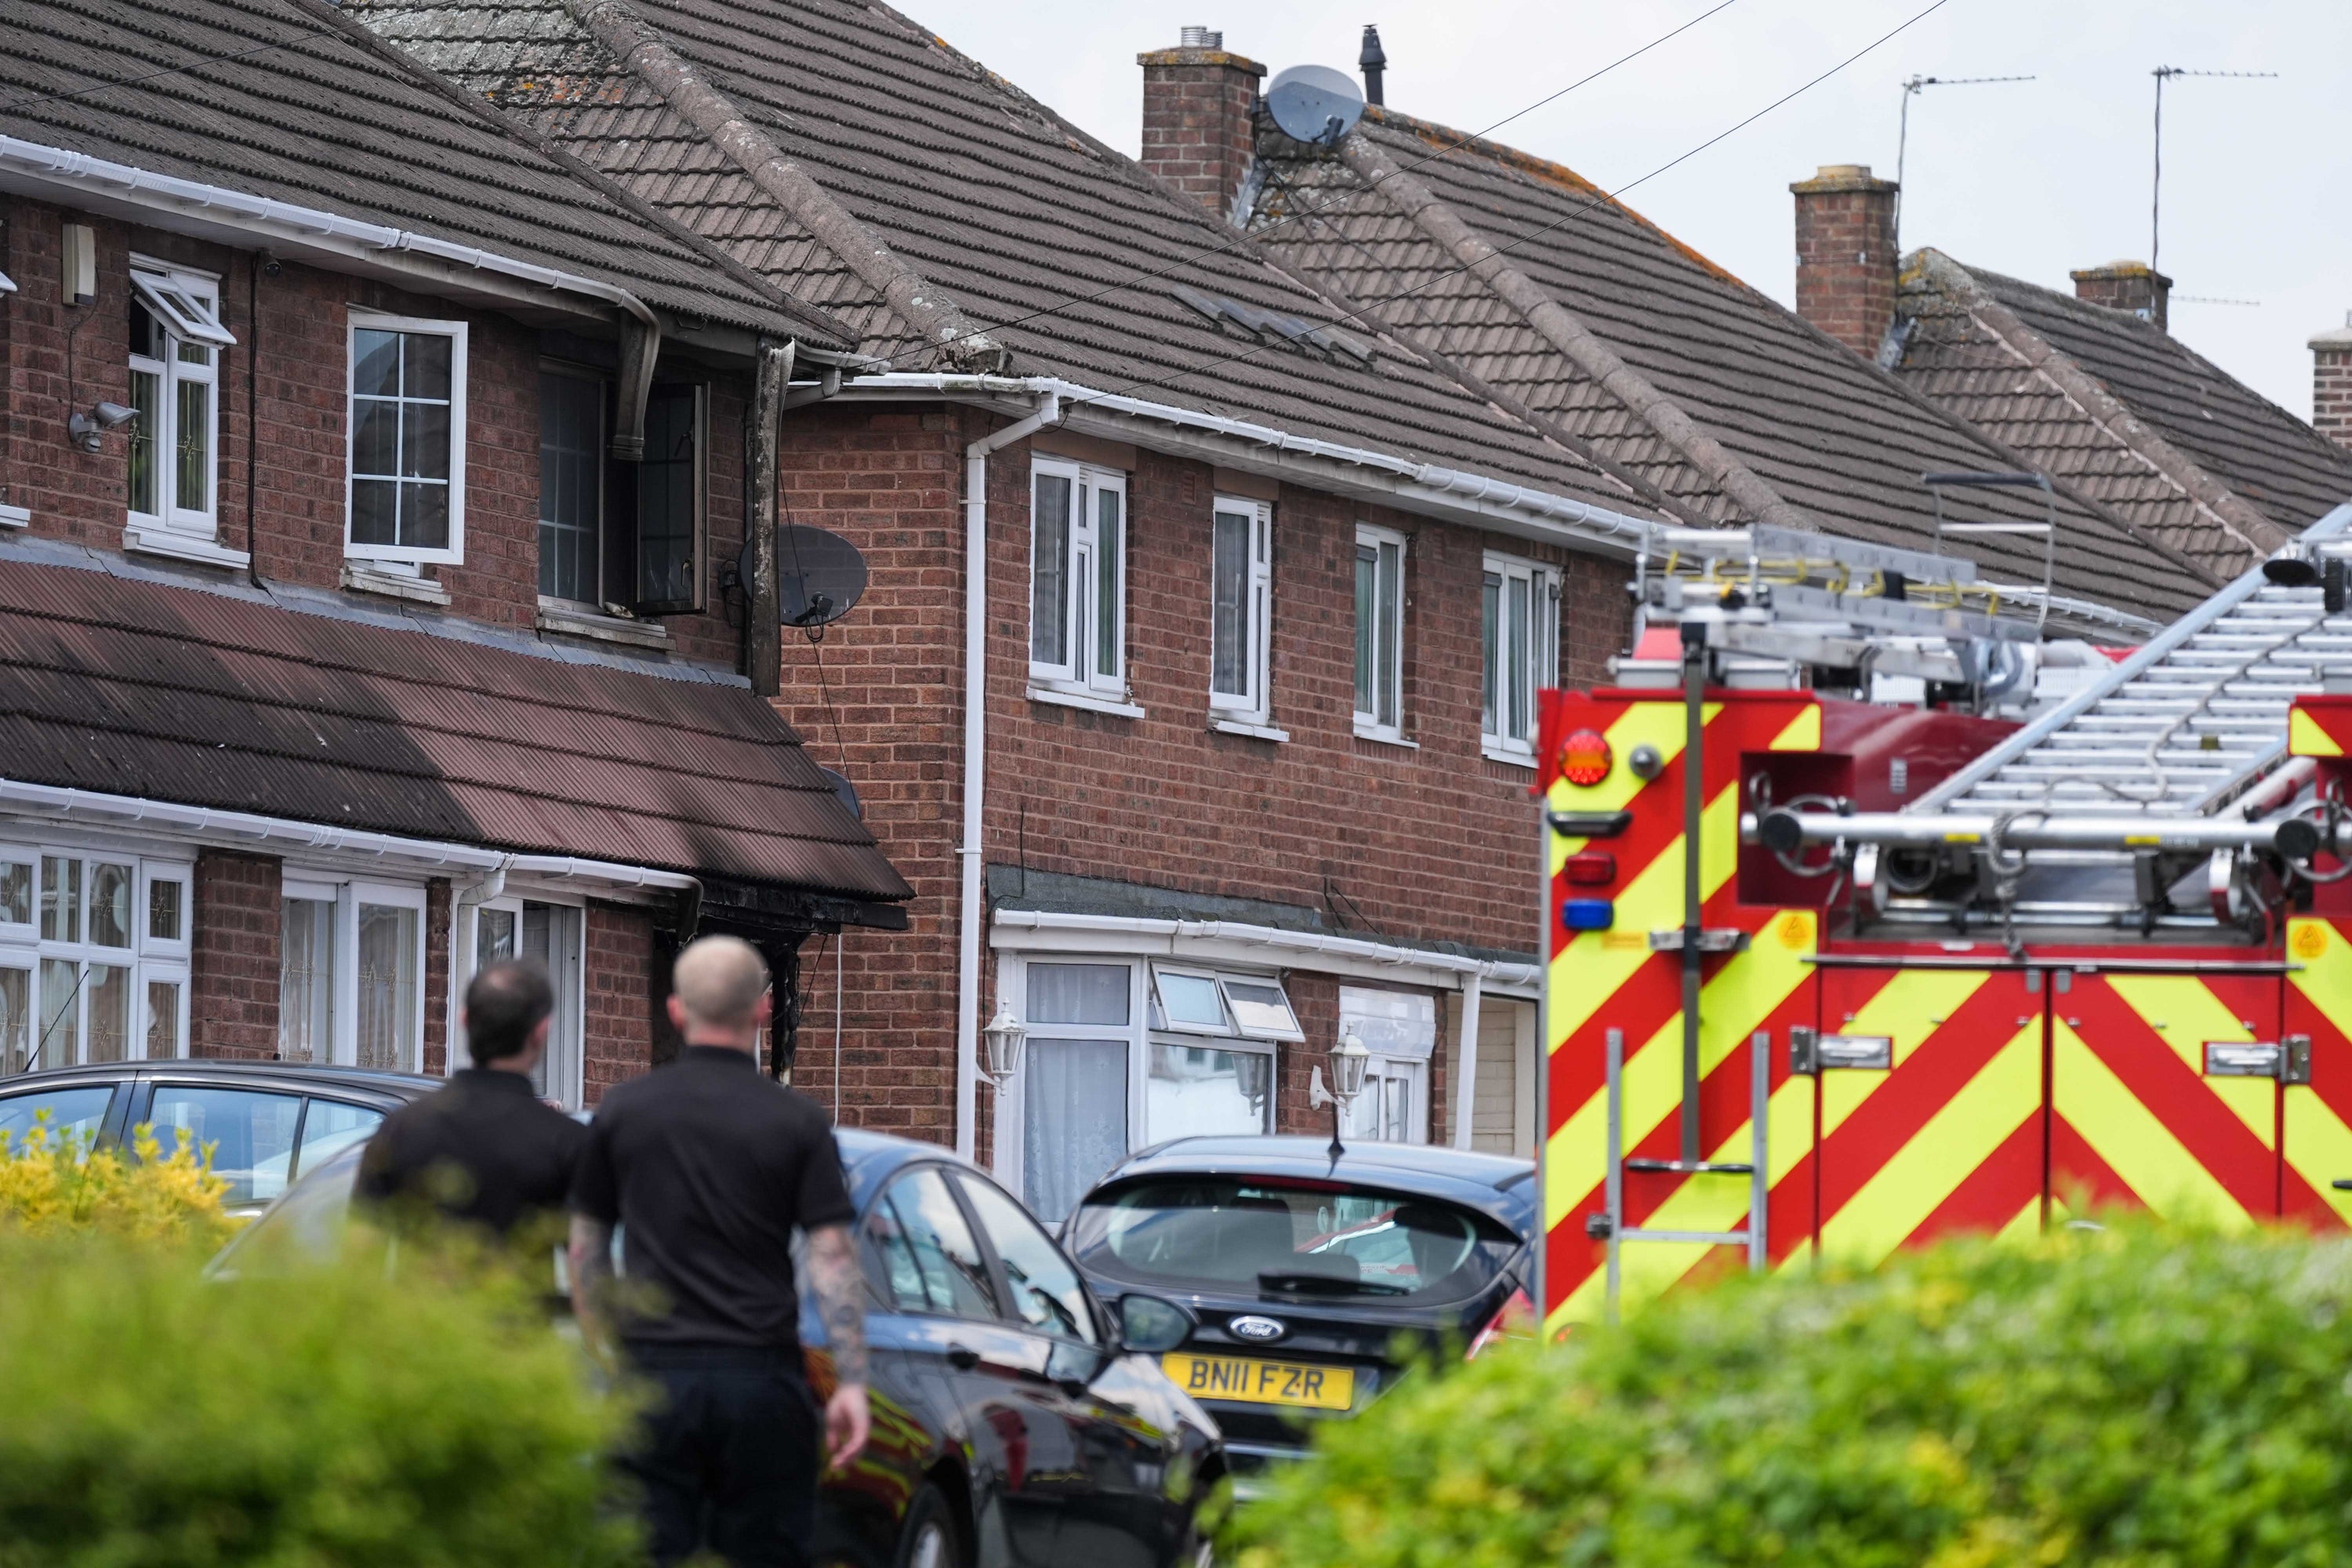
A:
[2124,1399]
[349,1416]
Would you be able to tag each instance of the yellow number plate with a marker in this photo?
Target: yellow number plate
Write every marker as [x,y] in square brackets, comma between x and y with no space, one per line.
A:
[1247,1381]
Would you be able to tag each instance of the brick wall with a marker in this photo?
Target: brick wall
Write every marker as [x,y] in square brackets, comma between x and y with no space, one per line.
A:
[1432,843]
[1197,136]
[2331,385]
[436,976]
[2132,286]
[617,1028]
[1845,255]
[234,973]
[289,363]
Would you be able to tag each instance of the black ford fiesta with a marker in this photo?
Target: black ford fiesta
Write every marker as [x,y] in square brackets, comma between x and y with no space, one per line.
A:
[1303,1269]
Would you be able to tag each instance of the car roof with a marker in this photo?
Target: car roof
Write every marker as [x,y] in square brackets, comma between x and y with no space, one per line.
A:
[870,1157]
[305,1075]
[1497,1185]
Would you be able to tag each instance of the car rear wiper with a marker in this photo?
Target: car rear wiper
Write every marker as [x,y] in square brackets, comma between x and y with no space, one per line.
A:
[1292,1282]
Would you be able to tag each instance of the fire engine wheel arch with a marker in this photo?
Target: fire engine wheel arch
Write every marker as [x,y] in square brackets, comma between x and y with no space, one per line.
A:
[1952,1091]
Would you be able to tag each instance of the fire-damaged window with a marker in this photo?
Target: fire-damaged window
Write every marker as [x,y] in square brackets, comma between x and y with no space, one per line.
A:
[94,952]
[1078,578]
[623,537]
[1521,614]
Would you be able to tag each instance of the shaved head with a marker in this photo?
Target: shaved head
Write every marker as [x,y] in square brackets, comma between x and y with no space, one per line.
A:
[718,983]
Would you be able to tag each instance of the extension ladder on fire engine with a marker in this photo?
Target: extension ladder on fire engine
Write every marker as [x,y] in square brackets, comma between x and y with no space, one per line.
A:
[1755,1168]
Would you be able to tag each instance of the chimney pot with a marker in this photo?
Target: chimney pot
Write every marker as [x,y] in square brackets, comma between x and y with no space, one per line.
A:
[1847,292]
[1201,38]
[1374,61]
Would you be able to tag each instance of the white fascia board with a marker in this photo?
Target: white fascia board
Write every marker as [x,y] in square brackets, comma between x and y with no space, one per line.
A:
[1362,472]
[1234,944]
[220,213]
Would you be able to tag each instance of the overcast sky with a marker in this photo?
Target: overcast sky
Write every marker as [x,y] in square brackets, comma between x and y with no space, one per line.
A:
[2032,179]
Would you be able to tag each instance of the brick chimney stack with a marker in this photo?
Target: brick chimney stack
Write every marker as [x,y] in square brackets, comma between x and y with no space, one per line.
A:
[2331,383]
[2132,286]
[1845,255]
[1197,105]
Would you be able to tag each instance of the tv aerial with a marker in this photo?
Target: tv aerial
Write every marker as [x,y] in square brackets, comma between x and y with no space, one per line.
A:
[1315,104]
[820,576]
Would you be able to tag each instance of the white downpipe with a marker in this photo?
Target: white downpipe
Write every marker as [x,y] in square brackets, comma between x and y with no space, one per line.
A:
[1466,1094]
[975,754]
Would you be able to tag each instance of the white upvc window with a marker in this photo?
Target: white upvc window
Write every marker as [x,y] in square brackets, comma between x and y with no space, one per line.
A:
[177,340]
[405,480]
[1379,632]
[94,948]
[552,936]
[1078,578]
[1399,1030]
[1241,609]
[351,974]
[1107,1069]
[1521,616]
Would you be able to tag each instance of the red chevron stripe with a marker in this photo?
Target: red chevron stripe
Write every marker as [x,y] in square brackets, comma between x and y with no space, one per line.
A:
[2079,1178]
[1994,1193]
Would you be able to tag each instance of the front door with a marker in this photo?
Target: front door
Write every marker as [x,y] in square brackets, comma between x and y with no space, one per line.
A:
[1929,1117]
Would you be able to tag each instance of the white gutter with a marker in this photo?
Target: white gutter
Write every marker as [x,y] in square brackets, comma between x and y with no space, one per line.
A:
[288,221]
[241,829]
[1238,942]
[975,753]
[1578,521]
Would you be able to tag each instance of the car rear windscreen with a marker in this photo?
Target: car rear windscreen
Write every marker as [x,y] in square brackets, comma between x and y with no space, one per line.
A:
[1269,1239]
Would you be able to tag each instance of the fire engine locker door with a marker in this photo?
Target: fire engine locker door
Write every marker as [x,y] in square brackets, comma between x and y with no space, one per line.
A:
[2316,1143]
[1930,1101]
[2164,1094]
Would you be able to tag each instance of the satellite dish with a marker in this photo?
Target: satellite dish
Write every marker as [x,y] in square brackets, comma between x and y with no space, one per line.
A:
[819,575]
[1315,104]
[846,793]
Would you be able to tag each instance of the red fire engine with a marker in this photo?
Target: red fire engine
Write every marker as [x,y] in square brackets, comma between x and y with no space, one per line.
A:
[1982,926]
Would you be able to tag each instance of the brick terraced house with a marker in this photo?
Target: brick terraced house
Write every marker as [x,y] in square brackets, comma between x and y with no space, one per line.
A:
[1194,698]
[371,480]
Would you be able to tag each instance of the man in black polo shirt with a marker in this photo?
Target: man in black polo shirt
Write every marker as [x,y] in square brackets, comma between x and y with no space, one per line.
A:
[484,1150]
[709,1168]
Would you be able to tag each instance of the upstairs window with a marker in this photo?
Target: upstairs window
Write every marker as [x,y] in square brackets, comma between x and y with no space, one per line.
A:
[1379,632]
[1241,609]
[407,477]
[1077,577]
[176,339]
[625,536]
[1521,616]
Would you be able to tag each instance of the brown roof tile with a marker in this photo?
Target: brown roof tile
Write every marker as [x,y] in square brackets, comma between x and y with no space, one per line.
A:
[148,690]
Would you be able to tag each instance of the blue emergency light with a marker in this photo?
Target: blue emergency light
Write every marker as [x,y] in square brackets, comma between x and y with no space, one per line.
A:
[1588,914]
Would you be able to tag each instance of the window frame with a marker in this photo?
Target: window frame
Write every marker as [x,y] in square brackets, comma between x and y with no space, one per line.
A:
[1542,667]
[567,1041]
[347,894]
[1080,672]
[699,572]
[159,288]
[1255,704]
[1388,663]
[146,960]
[356,321]
[599,537]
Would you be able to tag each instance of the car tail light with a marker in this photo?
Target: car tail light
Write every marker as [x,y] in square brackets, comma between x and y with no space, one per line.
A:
[1514,1321]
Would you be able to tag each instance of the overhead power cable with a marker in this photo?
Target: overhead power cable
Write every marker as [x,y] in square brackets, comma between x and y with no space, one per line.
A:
[1579,211]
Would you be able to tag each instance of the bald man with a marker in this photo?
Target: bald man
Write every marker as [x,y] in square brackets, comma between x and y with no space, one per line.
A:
[709,1167]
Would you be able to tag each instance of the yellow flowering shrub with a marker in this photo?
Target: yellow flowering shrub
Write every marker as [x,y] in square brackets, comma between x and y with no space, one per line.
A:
[55,1183]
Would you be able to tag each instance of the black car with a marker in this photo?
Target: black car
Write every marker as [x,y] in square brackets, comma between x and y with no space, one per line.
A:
[1016,1423]
[1306,1273]
[266,1122]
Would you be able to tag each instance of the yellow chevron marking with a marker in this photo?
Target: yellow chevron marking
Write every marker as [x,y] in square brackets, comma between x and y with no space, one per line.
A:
[2023,1226]
[1660,725]
[1928,1168]
[2135,1145]
[2187,1014]
[1803,733]
[2318,1144]
[1908,1009]
[1742,995]
[2305,738]
[1587,972]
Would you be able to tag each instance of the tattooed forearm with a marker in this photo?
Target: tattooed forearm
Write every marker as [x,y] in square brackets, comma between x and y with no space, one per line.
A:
[841,1299]
[591,1257]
